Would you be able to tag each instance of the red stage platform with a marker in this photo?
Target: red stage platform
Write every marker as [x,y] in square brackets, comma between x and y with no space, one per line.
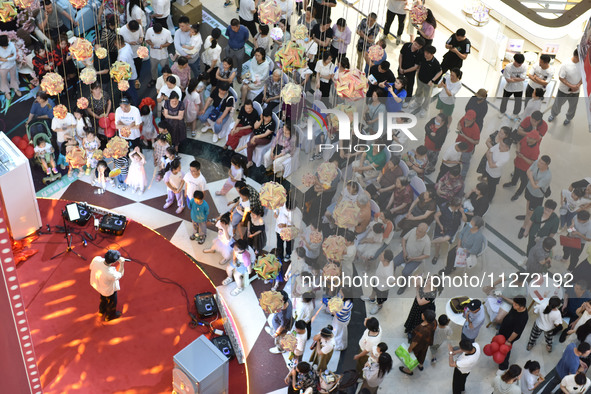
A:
[77,351]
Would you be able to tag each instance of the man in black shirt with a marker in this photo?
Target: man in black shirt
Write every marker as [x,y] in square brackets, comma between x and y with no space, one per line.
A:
[459,49]
[513,325]
[409,61]
[479,104]
[428,75]
[322,35]
[382,74]
[321,9]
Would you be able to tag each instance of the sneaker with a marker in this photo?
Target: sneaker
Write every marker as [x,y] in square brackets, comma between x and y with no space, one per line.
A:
[276,350]
[566,122]
[375,309]
[521,233]
[227,4]
[54,170]
[433,361]
[215,138]
[398,41]
[124,188]
[401,290]
[550,118]
[434,260]
[501,115]
[371,300]
[508,184]
[227,281]
[117,315]
[201,240]
[268,330]
[205,128]
[167,205]
[48,171]
[405,104]
[316,156]
[514,197]
[422,114]
[237,291]
[193,133]
[179,210]
[193,237]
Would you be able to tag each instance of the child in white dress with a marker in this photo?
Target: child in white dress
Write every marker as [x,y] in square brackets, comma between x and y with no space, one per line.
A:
[136,177]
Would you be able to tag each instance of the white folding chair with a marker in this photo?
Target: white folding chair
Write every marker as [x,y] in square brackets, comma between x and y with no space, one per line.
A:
[404,168]
[289,165]
[417,185]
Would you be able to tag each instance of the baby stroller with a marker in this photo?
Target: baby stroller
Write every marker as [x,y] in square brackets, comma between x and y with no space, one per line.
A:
[331,382]
[36,131]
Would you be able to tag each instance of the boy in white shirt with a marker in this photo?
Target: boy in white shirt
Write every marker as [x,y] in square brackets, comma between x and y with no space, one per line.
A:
[443,334]
[194,180]
[514,75]
[301,338]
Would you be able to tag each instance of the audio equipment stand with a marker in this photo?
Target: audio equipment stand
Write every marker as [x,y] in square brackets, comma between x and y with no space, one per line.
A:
[68,236]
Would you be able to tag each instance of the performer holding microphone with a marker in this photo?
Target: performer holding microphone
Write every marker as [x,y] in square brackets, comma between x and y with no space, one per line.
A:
[105,273]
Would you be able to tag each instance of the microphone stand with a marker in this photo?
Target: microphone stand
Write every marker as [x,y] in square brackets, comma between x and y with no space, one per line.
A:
[68,236]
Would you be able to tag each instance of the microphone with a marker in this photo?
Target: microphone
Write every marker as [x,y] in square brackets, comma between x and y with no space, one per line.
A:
[124,259]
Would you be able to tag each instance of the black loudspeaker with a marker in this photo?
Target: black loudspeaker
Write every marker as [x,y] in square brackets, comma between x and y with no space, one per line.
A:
[223,343]
[84,213]
[206,305]
[113,224]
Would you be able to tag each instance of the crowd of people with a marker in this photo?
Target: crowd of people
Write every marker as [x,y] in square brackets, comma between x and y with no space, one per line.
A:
[401,218]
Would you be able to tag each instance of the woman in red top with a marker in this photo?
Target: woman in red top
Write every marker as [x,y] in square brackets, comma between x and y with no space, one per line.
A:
[468,132]
[435,133]
[45,62]
[62,52]
[528,151]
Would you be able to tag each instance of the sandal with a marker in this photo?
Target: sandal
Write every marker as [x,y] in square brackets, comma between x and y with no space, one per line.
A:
[401,369]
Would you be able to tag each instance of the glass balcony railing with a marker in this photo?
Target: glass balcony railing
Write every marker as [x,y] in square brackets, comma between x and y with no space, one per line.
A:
[550,13]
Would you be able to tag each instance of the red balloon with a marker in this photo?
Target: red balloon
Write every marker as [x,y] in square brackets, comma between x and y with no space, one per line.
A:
[26,138]
[15,140]
[22,145]
[29,152]
[504,349]
[112,124]
[103,122]
[109,132]
[500,339]
[499,357]
[494,347]
[487,350]
[112,116]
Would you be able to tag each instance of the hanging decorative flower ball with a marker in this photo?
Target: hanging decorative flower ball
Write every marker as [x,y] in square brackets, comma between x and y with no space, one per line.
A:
[308,179]
[335,305]
[101,53]
[291,56]
[76,157]
[289,233]
[418,14]
[289,342]
[7,11]
[272,195]
[327,172]
[346,214]
[52,84]
[331,269]
[334,247]
[82,103]
[88,75]
[269,12]
[60,111]
[123,85]
[352,84]
[143,52]
[97,154]
[276,34]
[299,32]
[78,4]
[267,266]
[81,49]
[291,93]
[120,71]
[23,4]
[375,53]
[271,301]
[316,237]
[116,148]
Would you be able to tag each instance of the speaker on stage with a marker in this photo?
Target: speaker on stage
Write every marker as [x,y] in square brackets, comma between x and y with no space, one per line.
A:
[200,368]
[223,343]
[113,224]
[78,213]
[206,305]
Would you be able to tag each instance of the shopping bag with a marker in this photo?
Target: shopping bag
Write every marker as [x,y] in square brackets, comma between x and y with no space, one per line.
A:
[570,242]
[409,360]
[461,258]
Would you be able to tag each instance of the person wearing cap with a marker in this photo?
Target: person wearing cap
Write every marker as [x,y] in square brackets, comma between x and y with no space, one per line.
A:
[479,104]
[514,74]
[496,158]
[104,278]
[474,316]
[468,132]
[128,121]
[458,47]
[526,152]
[323,350]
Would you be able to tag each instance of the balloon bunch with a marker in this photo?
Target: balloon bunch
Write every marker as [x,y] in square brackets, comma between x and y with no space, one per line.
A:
[108,124]
[498,349]
[22,143]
